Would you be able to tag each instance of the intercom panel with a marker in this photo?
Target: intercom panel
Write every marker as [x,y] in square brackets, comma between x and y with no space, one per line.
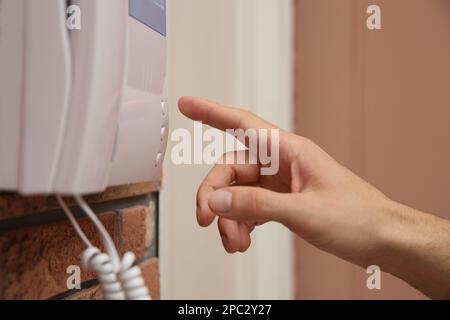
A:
[143,126]
[81,109]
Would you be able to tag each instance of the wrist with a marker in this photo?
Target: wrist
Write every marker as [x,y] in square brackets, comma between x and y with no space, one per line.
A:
[412,245]
[393,229]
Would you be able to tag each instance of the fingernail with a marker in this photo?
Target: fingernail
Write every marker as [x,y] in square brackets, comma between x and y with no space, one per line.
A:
[220,201]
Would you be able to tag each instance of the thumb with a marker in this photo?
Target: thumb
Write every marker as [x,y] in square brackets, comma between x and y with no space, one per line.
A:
[254,204]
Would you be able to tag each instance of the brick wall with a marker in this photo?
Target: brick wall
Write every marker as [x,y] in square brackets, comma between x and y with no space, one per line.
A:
[37,244]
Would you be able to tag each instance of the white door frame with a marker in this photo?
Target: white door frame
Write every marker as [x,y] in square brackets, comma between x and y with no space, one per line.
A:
[263,75]
[264,82]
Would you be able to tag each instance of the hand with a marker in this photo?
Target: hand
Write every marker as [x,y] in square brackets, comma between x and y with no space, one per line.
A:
[312,194]
[322,202]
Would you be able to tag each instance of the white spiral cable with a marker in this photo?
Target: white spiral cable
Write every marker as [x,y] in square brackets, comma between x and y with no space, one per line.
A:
[119,279]
[130,276]
[94,260]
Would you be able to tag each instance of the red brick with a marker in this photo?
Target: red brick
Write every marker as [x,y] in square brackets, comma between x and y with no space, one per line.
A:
[33,262]
[150,272]
[138,229]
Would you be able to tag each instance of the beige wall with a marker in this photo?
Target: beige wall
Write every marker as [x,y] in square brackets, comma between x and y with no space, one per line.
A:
[200,64]
[379,102]
[224,50]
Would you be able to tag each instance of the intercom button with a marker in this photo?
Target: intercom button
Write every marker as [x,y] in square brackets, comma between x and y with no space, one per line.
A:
[164,107]
[158,160]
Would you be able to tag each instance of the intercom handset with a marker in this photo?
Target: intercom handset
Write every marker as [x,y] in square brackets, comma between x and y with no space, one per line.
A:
[84,108]
[81,109]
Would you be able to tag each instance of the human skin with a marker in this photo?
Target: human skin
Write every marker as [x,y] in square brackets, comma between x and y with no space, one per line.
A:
[321,201]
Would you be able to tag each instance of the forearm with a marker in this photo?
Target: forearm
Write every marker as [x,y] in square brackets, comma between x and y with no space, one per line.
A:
[415,247]
[329,206]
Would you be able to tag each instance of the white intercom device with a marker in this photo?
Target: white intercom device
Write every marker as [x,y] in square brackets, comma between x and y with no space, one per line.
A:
[82,108]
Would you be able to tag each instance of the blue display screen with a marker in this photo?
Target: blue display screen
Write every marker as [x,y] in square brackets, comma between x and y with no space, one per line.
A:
[152,13]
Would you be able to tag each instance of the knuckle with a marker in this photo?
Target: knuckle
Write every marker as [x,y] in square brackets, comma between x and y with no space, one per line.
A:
[256,201]
[304,142]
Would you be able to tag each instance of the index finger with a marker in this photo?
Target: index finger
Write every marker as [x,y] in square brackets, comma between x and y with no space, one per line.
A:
[219,116]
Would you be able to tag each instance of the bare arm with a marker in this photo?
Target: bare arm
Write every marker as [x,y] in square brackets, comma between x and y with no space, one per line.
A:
[322,202]
[416,248]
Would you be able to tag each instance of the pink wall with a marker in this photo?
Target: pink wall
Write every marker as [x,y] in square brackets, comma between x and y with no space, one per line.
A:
[378,101]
